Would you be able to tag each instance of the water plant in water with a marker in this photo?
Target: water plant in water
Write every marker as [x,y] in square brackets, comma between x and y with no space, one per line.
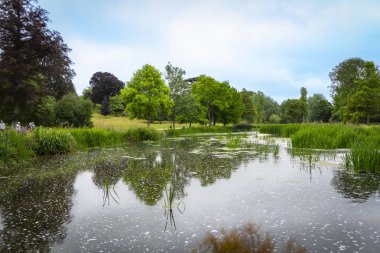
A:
[364,157]
[169,204]
[248,239]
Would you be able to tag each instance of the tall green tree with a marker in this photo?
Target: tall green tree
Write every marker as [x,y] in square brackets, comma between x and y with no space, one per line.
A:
[232,109]
[209,92]
[104,85]
[303,99]
[249,109]
[146,94]
[343,78]
[179,89]
[320,108]
[292,111]
[265,107]
[365,100]
[34,60]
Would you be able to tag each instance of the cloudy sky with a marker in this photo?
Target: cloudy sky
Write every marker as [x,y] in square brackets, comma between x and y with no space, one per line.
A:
[275,46]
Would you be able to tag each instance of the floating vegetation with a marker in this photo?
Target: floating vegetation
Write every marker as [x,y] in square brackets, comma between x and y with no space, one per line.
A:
[248,239]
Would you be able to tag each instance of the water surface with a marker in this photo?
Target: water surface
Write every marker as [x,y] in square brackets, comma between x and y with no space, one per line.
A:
[165,196]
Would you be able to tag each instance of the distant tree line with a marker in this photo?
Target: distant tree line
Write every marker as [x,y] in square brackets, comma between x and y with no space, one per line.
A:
[36,85]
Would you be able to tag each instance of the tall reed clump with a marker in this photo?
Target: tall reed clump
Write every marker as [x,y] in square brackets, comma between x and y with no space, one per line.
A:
[197,130]
[364,156]
[14,147]
[141,134]
[95,137]
[48,141]
[280,130]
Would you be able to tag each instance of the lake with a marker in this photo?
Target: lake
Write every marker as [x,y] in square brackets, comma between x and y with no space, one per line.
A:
[165,196]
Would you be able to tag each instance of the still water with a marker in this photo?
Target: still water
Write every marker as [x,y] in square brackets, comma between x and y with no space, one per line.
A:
[165,196]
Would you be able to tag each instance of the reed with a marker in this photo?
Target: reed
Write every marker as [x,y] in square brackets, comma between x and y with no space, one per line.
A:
[15,147]
[50,141]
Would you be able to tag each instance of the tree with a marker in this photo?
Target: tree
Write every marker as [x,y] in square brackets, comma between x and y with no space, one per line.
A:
[191,110]
[232,109]
[320,108]
[45,111]
[116,105]
[179,89]
[146,94]
[105,108]
[74,111]
[343,78]
[104,85]
[34,61]
[303,99]
[265,107]
[249,109]
[292,111]
[365,100]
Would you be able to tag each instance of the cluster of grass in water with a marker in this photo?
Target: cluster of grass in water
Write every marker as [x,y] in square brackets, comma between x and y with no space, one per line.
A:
[196,130]
[16,147]
[363,141]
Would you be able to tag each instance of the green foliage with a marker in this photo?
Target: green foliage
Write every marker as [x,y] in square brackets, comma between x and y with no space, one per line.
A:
[74,111]
[104,85]
[116,105]
[365,100]
[242,127]
[197,130]
[320,109]
[45,111]
[105,107]
[34,60]
[249,113]
[49,141]
[14,147]
[222,101]
[364,156]
[293,111]
[274,119]
[146,94]
[265,106]
[283,130]
[303,100]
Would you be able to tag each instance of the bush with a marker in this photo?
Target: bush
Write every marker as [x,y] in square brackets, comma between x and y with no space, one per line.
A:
[45,111]
[74,111]
[53,141]
[141,134]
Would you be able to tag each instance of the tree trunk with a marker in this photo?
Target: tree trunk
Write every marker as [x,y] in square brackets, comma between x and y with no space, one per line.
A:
[148,121]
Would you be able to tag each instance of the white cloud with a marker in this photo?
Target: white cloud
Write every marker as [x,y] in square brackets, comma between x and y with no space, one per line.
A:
[249,43]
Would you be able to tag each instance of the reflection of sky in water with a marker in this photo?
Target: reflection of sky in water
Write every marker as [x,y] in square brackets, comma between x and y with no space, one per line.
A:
[316,206]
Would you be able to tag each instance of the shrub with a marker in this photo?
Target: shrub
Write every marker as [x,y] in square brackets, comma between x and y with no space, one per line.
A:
[74,111]
[45,111]
[53,141]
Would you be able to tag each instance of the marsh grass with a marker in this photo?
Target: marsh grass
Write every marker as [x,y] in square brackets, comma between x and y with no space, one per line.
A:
[364,157]
[15,147]
[233,142]
[197,130]
[50,141]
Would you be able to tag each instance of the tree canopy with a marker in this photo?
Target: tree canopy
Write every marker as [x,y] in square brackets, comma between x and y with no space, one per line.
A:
[104,85]
[320,108]
[34,60]
[146,94]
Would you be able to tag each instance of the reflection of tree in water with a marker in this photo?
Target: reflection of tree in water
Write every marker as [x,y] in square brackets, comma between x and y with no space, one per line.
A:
[34,215]
[358,187]
[106,175]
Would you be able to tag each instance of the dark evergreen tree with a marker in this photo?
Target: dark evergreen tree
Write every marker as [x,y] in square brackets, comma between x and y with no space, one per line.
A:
[34,60]
[104,85]
[249,109]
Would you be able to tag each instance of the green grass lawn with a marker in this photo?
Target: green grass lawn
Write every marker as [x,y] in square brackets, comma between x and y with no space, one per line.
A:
[123,123]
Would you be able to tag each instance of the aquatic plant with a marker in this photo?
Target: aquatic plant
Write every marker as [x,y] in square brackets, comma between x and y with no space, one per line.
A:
[247,239]
[233,142]
[15,147]
[364,157]
[197,130]
[49,141]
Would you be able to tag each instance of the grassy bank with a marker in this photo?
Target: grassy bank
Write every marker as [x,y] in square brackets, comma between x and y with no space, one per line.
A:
[363,141]
[16,147]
